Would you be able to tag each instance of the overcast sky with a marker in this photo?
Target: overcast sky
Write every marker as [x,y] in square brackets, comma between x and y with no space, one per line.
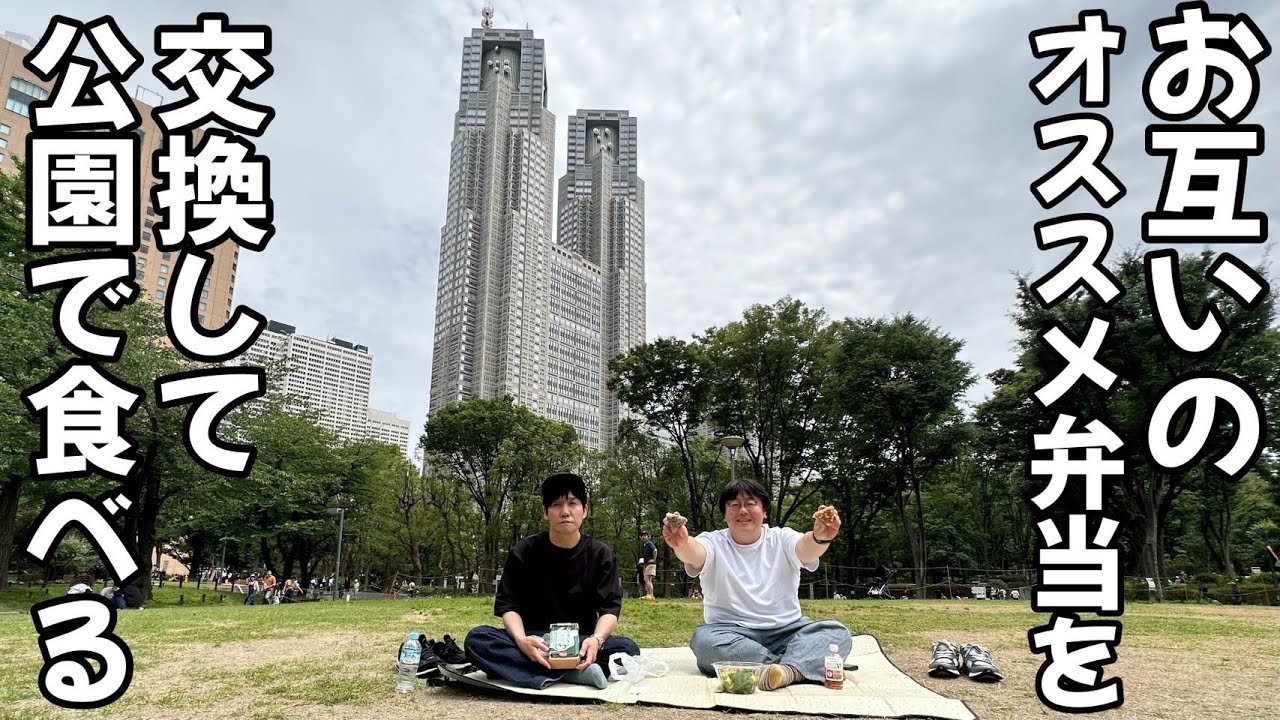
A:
[870,157]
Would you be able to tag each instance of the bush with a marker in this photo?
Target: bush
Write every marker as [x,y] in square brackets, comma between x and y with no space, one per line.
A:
[75,556]
[1266,579]
[1206,579]
[1220,591]
[1181,564]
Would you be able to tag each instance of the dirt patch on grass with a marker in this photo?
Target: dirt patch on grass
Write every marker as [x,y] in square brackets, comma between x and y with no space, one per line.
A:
[230,678]
[1159,683]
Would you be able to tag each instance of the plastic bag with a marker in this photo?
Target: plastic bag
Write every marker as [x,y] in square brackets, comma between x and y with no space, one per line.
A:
[635,667]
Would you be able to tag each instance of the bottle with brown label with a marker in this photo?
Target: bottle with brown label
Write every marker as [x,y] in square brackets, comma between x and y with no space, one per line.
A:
[833,675]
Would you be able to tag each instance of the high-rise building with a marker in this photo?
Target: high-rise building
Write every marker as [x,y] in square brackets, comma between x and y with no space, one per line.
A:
[602,224]
[518,312]
[491,309]
[332,375]
[153,267]
[391,429]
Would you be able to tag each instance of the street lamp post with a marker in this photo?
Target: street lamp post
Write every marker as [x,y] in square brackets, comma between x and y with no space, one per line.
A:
[337,565]
[733,442]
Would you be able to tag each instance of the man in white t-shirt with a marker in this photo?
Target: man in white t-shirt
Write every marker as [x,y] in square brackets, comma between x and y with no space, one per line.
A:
[750,575]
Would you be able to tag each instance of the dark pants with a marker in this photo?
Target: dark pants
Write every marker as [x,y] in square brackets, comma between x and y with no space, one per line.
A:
[492,650]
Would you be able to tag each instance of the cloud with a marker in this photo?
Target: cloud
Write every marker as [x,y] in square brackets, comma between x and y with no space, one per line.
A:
[870,158]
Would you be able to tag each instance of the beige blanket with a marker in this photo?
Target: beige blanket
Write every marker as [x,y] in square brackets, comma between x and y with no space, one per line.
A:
[875,689]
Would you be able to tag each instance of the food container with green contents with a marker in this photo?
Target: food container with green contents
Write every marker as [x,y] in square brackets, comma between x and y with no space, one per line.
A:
[739,678]
[564,646]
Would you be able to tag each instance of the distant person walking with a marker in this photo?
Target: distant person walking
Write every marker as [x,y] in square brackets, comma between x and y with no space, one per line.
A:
[649,557]
[269,587]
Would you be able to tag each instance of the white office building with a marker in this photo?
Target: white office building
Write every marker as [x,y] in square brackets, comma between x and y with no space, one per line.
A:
[391,429]
[333,375]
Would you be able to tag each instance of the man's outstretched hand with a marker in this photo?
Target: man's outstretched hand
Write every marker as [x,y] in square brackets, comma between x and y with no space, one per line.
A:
[826,523]
[675,532]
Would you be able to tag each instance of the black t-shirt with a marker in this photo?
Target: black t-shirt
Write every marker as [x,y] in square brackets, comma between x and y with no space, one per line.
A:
[132,596]
[547,584]
[650,553]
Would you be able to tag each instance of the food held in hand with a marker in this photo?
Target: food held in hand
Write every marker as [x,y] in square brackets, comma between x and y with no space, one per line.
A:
[674,522]
[827,515]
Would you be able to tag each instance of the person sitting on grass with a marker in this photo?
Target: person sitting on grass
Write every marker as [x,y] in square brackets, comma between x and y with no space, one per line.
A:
[83,584]
[110,591]
[750,577]
[559,575]
[132,597]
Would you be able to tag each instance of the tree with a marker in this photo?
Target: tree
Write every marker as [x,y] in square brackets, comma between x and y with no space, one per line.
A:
[30,353]
[1146,363]
[666,382]
[900,384]
[497,451]
[767,372]
[165,468]
[635,479]
[451,509]
[1004,422]
[1227,515]
[408,498]
[369,481]
[854,471]
[299,472]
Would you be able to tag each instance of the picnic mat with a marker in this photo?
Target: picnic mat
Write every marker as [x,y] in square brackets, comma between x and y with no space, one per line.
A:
[875,689]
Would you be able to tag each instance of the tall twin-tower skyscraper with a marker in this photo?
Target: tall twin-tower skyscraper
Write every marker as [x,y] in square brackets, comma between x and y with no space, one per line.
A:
[526,308]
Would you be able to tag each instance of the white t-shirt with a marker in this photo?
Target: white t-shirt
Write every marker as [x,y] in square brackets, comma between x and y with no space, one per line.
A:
[755,586]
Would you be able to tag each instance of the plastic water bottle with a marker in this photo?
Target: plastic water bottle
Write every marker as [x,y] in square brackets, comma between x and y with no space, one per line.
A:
[410,655]
[833,674]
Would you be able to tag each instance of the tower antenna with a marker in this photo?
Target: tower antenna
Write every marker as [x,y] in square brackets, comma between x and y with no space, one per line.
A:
[486,15]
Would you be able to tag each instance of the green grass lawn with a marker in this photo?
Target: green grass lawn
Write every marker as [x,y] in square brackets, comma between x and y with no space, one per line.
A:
[18,598]
[200,660]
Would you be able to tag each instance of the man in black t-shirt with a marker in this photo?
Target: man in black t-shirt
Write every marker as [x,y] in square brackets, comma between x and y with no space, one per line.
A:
[556,576]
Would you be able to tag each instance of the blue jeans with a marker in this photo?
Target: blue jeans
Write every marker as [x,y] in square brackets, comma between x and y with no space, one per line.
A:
[118,601]
[492,650]
[802,644]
